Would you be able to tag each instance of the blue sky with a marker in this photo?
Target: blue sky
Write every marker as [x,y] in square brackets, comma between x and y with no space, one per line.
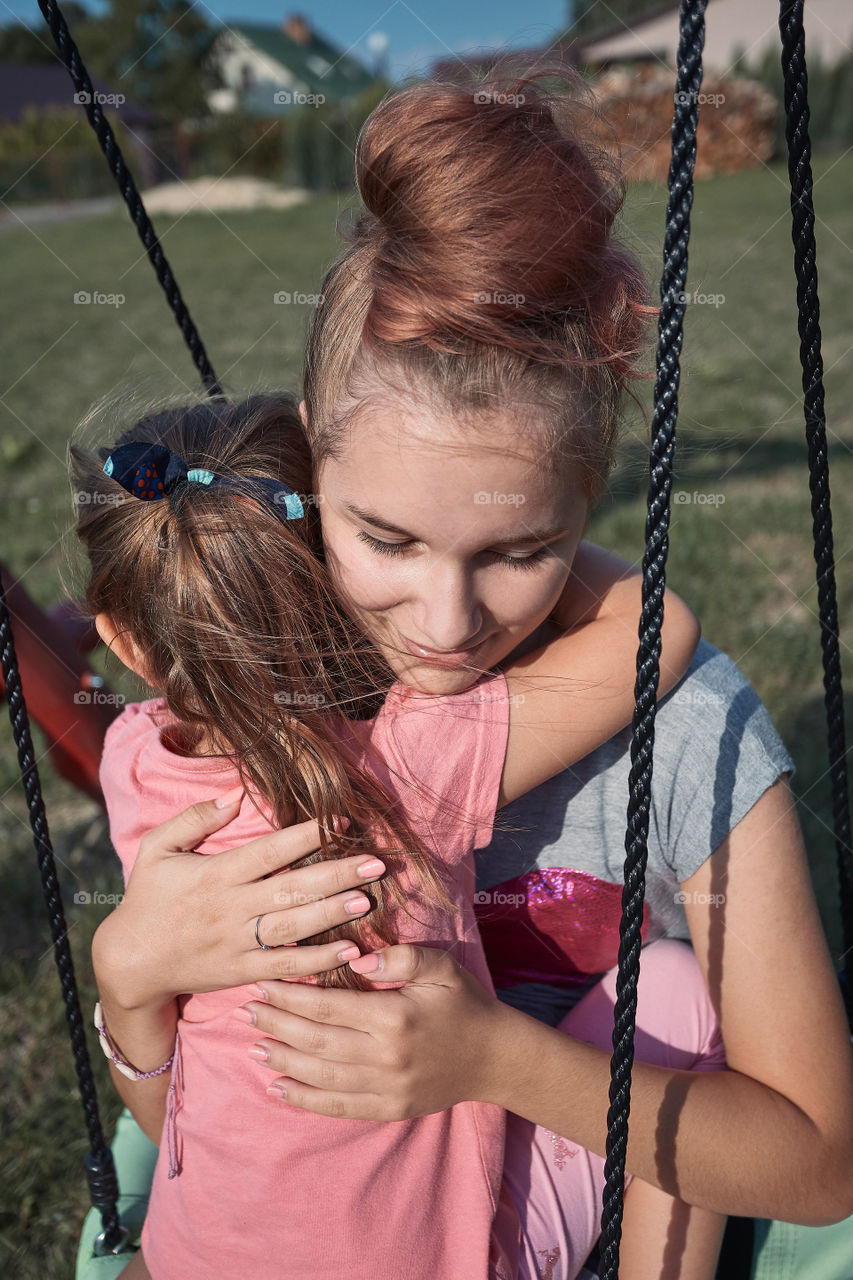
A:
[418,32]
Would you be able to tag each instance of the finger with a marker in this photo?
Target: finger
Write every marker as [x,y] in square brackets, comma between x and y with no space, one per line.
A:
[283,927]
[321,1073]
[269,853]
[357,1010]
[348,1106]
[406,962]
[341,1045]
[320,880]
[181,833]
[292,962]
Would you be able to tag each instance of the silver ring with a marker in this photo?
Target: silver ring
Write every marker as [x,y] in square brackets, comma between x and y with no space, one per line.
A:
[263,946]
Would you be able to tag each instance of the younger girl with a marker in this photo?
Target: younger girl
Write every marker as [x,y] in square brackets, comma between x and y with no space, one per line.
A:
[207,579]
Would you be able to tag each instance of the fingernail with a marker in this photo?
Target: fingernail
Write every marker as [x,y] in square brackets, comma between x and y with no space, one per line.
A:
[248,1015]
[349,953]
[262,993]
[356,904]
[277,1091]
[367,964]
[372,868]
[258,1051]
[228,797]
[340,823]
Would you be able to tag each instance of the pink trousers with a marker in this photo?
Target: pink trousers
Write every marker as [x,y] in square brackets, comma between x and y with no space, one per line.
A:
[557,1186]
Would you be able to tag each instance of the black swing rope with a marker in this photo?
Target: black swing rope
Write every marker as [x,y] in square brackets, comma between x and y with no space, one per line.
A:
[691,41]
[808,322]
[99,1164]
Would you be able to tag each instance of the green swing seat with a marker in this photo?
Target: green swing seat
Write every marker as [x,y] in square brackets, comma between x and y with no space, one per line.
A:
[782,1250]
[135,1156]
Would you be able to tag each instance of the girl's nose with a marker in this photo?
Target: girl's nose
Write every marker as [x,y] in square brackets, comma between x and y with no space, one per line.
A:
[447,613]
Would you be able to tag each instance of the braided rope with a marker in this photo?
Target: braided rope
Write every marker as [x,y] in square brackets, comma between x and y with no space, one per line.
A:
[100,1171]
[664,420]
[808,322]
[70,55]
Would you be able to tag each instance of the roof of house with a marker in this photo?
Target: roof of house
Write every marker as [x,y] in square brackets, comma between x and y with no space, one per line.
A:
[317,63]
[48,85]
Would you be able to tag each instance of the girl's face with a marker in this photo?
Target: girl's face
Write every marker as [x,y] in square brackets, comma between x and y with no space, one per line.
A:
[448,545]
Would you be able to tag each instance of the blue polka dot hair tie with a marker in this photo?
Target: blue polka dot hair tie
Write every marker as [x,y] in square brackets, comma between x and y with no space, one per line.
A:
[151,471]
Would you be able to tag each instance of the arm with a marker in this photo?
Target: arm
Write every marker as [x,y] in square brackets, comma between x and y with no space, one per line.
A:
[771,1137]
[573,694]
[144,1037]
[724,1140]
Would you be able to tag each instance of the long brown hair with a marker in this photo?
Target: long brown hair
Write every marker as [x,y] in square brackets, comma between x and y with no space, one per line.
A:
[484,270]
[232,611]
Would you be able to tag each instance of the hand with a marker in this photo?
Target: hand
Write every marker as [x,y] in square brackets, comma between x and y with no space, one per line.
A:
[385,1055]
[187,920]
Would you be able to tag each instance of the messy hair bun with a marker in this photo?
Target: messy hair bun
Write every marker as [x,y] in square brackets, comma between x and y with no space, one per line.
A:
[488,227]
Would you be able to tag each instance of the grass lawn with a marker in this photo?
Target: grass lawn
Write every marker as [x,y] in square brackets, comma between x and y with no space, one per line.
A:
[744,560]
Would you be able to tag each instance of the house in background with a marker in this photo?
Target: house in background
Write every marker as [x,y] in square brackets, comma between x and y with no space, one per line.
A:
[264,69]
[734,30]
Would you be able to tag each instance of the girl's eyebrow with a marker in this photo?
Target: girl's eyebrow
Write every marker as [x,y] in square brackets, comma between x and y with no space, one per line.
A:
[537,536]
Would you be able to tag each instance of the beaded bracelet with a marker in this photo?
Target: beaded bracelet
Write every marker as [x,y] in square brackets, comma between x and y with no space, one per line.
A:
[109,1052]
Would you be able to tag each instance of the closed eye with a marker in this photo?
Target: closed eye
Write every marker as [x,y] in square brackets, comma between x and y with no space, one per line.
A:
[399,548]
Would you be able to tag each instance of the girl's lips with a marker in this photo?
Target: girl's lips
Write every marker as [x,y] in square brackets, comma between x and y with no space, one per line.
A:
[434,658]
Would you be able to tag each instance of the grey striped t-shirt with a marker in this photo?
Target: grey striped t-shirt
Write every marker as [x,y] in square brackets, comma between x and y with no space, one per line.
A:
[716,752]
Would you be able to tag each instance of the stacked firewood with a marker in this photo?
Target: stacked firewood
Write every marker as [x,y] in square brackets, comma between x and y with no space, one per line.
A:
[737,121]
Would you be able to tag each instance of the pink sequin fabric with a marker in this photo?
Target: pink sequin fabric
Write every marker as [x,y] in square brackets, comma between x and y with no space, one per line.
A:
[554,925]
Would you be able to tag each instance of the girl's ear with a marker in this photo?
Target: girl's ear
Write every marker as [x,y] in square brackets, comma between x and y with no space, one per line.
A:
[303,415]
[121,644]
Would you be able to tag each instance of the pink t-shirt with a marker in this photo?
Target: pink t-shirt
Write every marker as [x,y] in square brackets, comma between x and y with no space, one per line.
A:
[245,1185]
